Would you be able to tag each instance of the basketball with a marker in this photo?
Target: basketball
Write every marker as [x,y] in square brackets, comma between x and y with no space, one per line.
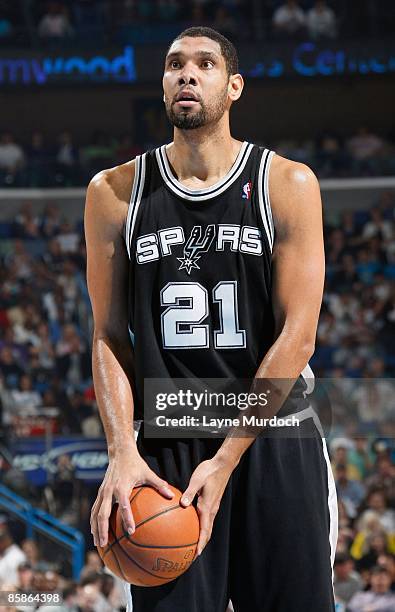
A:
[163,545]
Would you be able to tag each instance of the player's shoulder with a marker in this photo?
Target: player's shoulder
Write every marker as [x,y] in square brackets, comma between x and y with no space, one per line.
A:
[116,182]
[294,193]
[286,173]
[108,197]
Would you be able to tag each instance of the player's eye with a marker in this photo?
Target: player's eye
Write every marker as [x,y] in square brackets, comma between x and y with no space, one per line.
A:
[174,64]
[207,64]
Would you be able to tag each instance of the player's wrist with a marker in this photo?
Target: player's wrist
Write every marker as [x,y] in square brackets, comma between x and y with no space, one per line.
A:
[127,449]
[226,459]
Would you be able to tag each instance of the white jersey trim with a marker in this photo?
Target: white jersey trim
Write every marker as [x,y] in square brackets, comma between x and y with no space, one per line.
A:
[135,199]
[208,192]
[263,195]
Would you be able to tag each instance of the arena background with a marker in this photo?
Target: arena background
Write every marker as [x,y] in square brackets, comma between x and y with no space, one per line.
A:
[81,91]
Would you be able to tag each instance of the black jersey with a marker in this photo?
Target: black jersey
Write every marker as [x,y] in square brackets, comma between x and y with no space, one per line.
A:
[200,271]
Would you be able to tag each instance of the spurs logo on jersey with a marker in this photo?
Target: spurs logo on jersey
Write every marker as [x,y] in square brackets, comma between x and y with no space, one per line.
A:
[194,245]
[244,239]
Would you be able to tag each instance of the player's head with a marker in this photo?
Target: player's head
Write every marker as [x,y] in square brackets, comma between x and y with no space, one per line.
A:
[201,64]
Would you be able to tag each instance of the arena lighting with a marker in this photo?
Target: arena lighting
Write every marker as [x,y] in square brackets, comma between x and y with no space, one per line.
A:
[309,61]
[35,71]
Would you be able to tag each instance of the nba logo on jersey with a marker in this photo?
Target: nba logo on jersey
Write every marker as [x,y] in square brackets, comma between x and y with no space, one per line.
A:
[247,190]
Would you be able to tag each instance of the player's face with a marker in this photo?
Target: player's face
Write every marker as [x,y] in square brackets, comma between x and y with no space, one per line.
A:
[195,83]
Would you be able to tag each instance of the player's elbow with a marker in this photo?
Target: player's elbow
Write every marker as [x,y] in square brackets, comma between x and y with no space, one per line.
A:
[307,351]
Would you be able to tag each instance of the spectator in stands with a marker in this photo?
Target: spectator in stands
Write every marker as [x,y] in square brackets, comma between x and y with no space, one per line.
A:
[39,160]
[378,227]
[25,397]
[289,20]
[70,599]
[351,492]
[67,158]
[387,561]
[374,403]
[55,22]
[91,424]
[384,478]
[347,581]
[379,598]
[31,551]
[73,361]
[27,222]
[370,541]
[377,501]
[11,556]
[44,348]
[25,576]
[93,564]
[360,457]
[99,153]
[68,238]
[53,255]
[64,484]
[12,157]
[90,596]
[321,21]
[51,221]
[364,148]
[9,367]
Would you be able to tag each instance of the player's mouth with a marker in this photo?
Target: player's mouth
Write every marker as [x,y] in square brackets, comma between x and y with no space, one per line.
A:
[186,99]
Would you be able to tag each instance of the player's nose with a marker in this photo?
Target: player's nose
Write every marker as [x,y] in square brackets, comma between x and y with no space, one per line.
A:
[187,77]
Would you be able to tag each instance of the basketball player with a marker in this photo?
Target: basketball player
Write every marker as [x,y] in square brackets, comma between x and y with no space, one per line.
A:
[205,259]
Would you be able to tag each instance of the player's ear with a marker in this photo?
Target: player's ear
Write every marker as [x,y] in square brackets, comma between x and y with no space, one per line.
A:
[235,86]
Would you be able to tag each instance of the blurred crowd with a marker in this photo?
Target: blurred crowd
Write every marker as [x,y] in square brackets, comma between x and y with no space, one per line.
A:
[41,162]
[23,22]
[356,331]
[24,570]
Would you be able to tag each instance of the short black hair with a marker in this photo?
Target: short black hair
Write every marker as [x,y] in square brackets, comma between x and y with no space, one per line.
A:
[228,49]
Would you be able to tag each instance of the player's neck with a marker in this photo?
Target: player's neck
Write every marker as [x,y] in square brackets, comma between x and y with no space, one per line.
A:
[195,154]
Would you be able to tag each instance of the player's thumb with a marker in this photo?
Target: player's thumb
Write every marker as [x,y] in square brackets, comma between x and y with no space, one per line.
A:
[189,494]
[161,486]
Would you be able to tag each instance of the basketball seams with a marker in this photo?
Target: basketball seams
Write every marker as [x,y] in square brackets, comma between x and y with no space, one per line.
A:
[150,518]
[159,545]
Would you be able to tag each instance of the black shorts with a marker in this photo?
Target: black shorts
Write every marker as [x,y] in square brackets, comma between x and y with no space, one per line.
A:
[274,536]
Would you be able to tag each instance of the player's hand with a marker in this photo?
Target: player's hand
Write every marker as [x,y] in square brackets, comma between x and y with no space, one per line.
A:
[125,471]
[208,481]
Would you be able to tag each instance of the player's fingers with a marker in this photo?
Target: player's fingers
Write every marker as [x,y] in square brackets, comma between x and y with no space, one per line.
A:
[102,518]
[160,485]
[188,496]
[93,520]
[206,525]
[126,512]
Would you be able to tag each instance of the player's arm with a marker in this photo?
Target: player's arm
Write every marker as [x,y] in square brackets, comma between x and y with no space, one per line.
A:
[298,278]
[298,281]
[112,356]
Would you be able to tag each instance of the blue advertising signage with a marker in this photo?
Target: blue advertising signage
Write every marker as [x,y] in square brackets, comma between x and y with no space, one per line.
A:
[309,59]
[88,456]
[51,69]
